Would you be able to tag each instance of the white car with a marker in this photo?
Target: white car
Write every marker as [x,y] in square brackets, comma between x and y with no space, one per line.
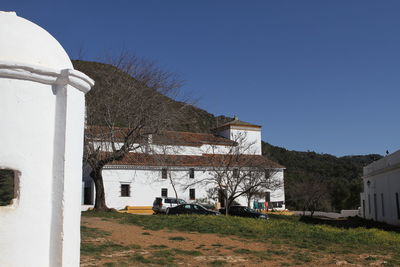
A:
[161,204]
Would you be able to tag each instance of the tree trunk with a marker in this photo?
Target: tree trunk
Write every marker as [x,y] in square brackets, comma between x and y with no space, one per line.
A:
[173,187]
[100,201]
[249,202]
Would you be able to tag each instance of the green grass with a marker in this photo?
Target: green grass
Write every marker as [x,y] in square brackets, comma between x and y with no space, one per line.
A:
[177,238]
[89,232]
[279,230]
[187,252]
[158,246]
[217,263]
[96,249]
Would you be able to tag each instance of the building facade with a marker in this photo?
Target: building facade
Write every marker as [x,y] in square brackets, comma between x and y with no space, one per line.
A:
[380,200]
[186,164]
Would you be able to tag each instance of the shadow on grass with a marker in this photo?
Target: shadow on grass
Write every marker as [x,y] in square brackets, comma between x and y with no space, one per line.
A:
[351,222]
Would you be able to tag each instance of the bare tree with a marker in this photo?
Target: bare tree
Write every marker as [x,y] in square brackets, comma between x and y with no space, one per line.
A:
[129,105]
[160,153]
[239,171]
[257,185]
[310,194]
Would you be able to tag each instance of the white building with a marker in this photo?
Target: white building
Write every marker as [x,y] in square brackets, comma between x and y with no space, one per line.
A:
[42,104]
[380,200]
[189,160]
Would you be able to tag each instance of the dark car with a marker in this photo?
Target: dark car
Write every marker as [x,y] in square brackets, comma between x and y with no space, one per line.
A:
[191,209]
[161,204]
[243,211]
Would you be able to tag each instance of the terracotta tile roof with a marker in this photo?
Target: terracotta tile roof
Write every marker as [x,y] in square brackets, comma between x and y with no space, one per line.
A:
[206,160]
[236,122]
[191,139]
[164,138]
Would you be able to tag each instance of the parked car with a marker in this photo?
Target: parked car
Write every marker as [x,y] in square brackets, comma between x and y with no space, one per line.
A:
[191,209]
[243,211]
[161,204]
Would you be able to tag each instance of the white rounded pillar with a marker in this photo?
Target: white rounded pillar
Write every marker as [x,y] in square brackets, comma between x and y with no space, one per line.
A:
[41,139]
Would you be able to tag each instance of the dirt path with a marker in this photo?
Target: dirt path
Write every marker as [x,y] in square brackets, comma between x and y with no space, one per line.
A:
[139,247]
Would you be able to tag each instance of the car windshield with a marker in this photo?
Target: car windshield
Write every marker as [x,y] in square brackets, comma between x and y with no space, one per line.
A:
[249,209]
[198,207]
[181,201]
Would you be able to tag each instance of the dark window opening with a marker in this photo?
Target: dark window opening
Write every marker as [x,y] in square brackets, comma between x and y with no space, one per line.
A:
[383,206]
[192,194]
[8,187]
[164,192]
[398,206]
[164,173]
[87,196]
[277,204]
[363,207]
[191,173]
[125,190]
[369,204]
[375,208]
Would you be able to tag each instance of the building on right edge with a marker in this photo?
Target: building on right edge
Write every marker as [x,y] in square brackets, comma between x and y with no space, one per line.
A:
[380,200]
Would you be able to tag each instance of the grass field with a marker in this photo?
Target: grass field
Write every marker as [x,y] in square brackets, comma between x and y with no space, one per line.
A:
[303,243]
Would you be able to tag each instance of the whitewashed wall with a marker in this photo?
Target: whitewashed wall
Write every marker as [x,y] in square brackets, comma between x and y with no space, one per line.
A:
[146,185]
[381,182]
[41,137]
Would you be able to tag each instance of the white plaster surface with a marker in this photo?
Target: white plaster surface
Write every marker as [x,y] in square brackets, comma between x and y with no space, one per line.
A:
[381,182]
[25,42]
[146,185]
[41,118]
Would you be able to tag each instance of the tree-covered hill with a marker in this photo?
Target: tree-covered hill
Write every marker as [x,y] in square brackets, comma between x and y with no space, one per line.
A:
[192,118]
[342,174]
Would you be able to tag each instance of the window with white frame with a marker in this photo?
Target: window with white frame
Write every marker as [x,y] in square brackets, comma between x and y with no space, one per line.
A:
[125,190]
[191,173]
[164,192]
[192,194]
[164,173]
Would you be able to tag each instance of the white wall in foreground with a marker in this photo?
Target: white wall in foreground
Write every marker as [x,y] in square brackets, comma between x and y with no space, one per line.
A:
[41,138]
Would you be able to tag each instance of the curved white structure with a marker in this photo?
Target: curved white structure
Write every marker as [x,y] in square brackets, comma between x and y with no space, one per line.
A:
[41,139]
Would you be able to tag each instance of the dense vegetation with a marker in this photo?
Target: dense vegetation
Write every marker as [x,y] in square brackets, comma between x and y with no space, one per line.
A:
[343,175]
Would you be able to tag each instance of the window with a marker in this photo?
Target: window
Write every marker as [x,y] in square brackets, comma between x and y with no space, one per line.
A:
[164,192]
[277,204]
[383,206]
[8,187]
[398,206]
[125,190]
[375,208]
[164,173]
[191,173]
[235,173]
[192,194]
[363,207]
[369,204]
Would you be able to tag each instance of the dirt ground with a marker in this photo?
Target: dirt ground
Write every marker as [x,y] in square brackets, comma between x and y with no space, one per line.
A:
[201,249]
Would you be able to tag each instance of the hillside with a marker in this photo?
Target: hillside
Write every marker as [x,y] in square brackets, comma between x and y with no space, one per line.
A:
[193,118]
[342,174]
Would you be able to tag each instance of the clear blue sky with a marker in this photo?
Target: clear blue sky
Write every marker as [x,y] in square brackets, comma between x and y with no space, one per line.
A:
[317,75]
